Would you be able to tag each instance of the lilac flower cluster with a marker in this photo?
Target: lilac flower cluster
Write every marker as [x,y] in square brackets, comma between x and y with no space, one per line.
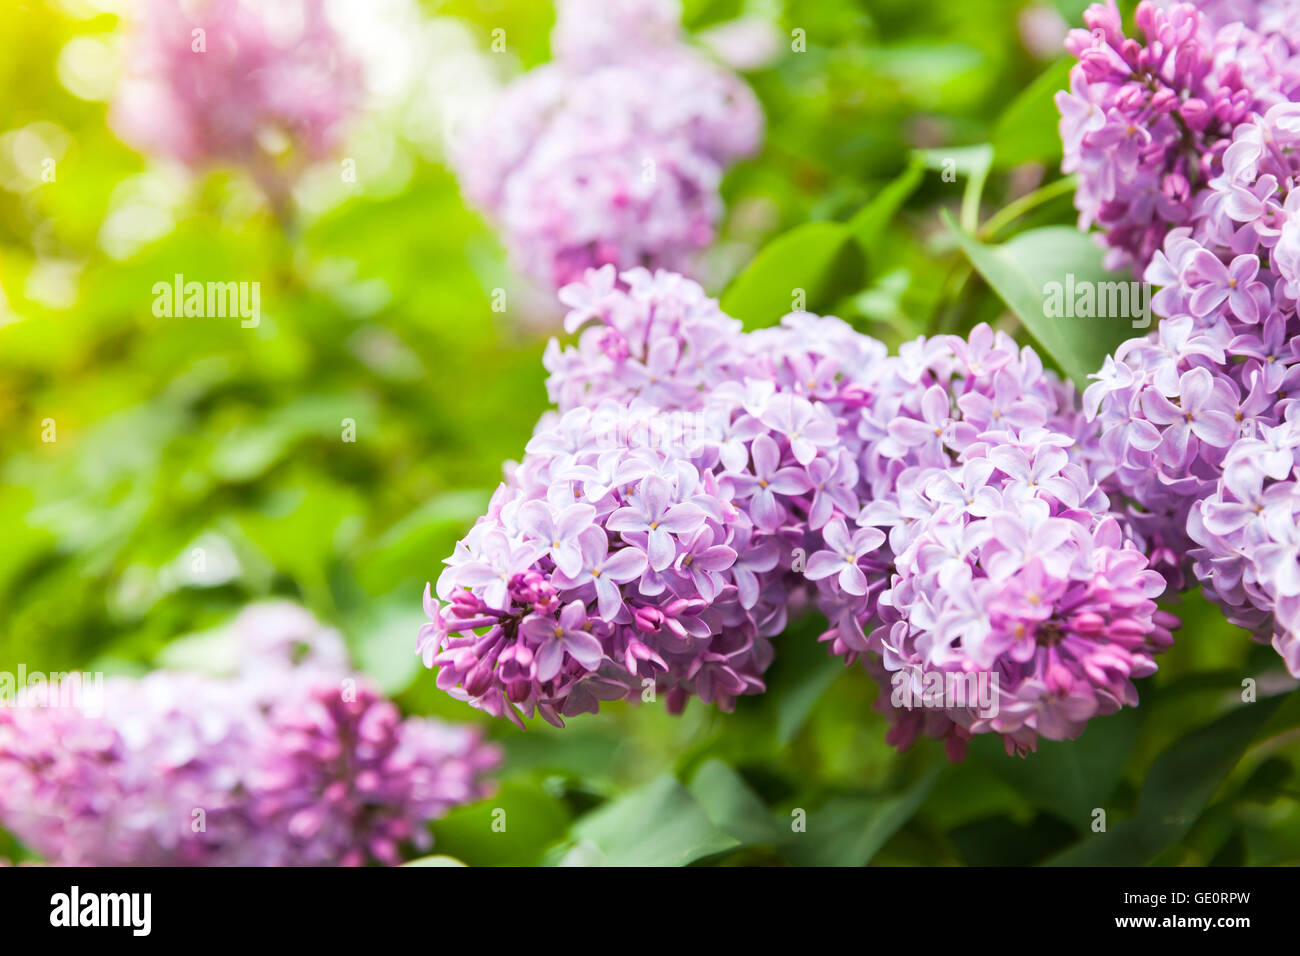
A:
[264,86]
[647,540]
[146,774]
[613,152]
[1003,556]
[699,484]
[1249,536]
[342,779]
[293,761]
[1146,125]
[1176,406]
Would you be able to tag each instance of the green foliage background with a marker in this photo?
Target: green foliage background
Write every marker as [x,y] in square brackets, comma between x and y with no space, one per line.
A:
[176,432]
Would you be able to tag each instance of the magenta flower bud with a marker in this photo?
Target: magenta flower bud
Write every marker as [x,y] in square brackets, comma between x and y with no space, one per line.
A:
[1096,65]
[1059,679]
[1144,17]
[1089,623]
[1164,100]
[464,604]
[1131,52]
[1130,98]
[649,619]
[1176,188]
[478,681]
[1195,114]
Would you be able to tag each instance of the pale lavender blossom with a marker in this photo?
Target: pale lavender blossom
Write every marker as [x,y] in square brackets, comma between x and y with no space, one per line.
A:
[290,761]
[266,86]
[612,154]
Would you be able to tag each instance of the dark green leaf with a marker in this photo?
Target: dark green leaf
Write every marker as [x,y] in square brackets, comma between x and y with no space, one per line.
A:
[659,824]
[513,827]
[868,223]
[1002,841]
[1068,777]
[971,162]
[1180,784]
[848,831]
[1041,274]
[732,806]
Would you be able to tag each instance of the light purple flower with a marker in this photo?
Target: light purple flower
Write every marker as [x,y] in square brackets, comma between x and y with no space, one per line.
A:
[654,514]
[612,154]
[556,638]
[1213,284]
[769,480]
[1203,411]
[604,571]
[843,554]
[558,533]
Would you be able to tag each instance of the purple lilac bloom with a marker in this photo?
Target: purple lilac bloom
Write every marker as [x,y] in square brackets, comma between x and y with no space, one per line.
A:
[1182,410]
[1249,554]
[341,779]
[278,643]
[1218,372]
[265,86]
[1146,123]
[291,761]
[612,153]
[593,33]
[945,508]
[1003,555]
[658,599]
[701,474]
[655,337]
[141,772]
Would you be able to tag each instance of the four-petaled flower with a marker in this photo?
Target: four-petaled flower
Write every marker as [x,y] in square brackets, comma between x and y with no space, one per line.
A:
[769,480]
[557,534]
[604,571]
[842,555]
[569,634]
[653,514]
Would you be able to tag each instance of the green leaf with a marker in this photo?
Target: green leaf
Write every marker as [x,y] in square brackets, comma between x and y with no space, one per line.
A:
[381,644]
[247,451]
[1180,784]
[732,806]
[868,223]
[429,531]
[513,827]
[659,824]
[1069,777]
[1027,129]
[806,672]
[848,831]
[801,674]
[819,259]
[1003,841]
[1035,273]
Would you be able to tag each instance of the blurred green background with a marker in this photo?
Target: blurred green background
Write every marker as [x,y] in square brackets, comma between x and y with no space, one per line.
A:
[177,434]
